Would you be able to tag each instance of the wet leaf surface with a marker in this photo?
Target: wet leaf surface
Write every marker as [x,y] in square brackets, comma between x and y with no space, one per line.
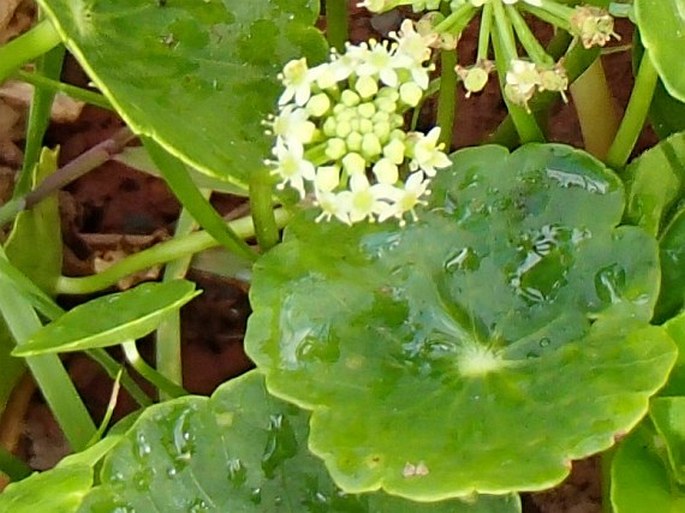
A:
[481,348]
[198,77]
[241,450]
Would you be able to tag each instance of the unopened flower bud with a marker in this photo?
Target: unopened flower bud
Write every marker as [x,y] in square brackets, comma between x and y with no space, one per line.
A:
[594,25]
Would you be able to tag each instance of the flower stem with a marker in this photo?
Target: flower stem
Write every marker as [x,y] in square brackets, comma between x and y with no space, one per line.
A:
[158,254]
[447,97]
[530,43]
[484,33]
[595,107]
[505,51]
[55,86]
[37,41]
[636,114]
[457,21]
[336,23]
[553,13]
[168,336]
[262,210]
[169,388]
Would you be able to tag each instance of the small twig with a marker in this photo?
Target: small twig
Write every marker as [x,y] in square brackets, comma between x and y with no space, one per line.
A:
[94,157]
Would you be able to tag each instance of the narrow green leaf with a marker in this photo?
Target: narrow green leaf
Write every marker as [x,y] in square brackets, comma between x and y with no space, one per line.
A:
[111,319]
[35,244]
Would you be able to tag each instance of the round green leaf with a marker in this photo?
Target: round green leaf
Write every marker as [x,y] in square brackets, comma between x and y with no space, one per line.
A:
[672,248]
[242,450]
[111,319]
[662,29]
[668,415]
[488,344]
[197,76]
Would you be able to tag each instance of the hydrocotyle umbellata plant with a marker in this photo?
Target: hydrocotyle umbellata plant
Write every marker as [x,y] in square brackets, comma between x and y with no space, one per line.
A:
[436,331]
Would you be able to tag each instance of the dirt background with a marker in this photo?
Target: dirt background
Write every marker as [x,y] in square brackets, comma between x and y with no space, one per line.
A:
[115,211]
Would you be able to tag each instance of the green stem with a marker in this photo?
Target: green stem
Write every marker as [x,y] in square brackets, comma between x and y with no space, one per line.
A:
[158,254]
[168,336]
[48,371]
[595,108]
[40,114]
[457,21]
[484,33]
[13,467]
[551,12]
[170,388]
[336,23]
[55,86]
[530,43]
[606,460]
[112,368]
[505,51]
[37,41]
[447,98]
[262,210]
[46,306]
[181,184]
[636,114]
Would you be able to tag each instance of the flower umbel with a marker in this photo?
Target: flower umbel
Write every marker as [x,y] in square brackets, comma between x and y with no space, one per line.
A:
[339,132]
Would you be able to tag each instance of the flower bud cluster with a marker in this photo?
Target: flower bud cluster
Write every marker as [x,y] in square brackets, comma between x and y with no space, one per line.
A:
[524,78]
[339,130]
[593,25]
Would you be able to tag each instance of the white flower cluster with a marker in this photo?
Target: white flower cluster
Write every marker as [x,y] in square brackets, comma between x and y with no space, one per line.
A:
[524,78]
[339,130]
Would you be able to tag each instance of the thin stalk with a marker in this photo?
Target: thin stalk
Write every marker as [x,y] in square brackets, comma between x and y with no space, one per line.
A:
[13,467]
[606,461]
[55,86]
[505,51]
[40,113]
[96,156]
[336,23]
[636,114]
[181,184]
[25,48]
[484,33]
[113,398]
[530,43]
[46,306]
[168,336]
[158,254]
[551,12]
[261,206]
[447,97]
[163,384]
[48,371]
[595,108]
[457,21]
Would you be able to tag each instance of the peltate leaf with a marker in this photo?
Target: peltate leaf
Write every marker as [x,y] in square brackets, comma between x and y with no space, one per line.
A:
[668,415]
[676,381]
[479,349]
[640,480]
[197,76]
[662,29]
[242,450]
[655,182]
[111,319]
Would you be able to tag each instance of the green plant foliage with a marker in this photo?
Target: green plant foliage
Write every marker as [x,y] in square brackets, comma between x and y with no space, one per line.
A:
[661,28]
[666,114]
[110,320]
[668,416]
[672,249]
[640,480]
[198,77]
[241,450]
[35,243]
[655,182]
[12,368]
[480,348]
